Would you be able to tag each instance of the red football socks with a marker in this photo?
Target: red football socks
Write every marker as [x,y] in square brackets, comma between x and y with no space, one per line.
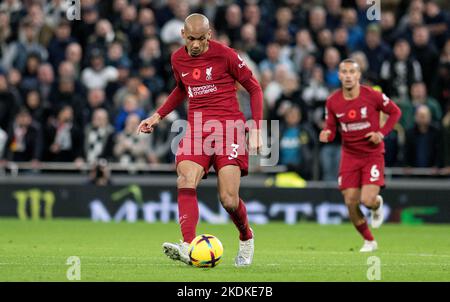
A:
[239,217]
[187,213]
[364,230]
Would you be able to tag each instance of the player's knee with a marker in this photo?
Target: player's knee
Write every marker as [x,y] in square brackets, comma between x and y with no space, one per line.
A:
[368,200]
[186,180]
[351,202]
[229,201]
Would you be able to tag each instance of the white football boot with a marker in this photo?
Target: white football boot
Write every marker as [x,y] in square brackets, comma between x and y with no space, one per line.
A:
[378,215]
[177,251]
[369,246]
[246,251]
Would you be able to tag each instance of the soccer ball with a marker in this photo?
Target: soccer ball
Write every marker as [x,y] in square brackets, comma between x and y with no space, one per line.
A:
[205,251]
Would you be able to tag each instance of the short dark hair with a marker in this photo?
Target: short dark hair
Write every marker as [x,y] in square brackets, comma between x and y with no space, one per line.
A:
[352,61]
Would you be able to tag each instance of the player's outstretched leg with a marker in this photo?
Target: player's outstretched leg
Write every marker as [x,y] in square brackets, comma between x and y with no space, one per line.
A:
[189,175]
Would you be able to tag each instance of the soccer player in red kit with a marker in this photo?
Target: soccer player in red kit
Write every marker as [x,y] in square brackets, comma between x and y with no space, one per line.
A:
[355,109]
[206,73]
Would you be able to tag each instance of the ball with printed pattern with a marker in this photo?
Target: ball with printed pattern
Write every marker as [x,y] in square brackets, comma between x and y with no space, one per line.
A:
[205,251]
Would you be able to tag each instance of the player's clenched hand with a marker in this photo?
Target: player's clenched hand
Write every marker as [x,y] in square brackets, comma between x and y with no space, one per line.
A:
[375,137]
[146,126]
[324,134]
[255,141]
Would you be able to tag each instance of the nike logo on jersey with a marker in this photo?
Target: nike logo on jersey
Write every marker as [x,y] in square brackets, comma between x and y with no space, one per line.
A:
[339,115]
[184,74]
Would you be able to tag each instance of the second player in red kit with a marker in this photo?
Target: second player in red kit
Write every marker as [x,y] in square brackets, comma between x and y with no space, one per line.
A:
[355,111]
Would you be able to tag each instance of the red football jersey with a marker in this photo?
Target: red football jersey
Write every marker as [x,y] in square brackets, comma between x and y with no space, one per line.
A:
[210,81]
[359,116]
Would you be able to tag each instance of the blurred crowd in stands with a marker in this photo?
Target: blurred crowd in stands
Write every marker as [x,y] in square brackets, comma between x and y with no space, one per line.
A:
[75,91]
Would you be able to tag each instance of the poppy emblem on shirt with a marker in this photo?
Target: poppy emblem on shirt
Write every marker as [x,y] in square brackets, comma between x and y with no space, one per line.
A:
[196,73]
[352,114]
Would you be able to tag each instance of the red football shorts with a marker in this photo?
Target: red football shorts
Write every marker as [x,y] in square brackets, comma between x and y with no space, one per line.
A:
[355,171]
[217,150]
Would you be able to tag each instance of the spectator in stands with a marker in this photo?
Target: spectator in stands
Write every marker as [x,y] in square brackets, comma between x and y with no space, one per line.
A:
[400,72]
[150,53]
[134,86]
[437,22]
[74,55]
[394,144]
[65,93]
[446,141]
[419,96]
[303,46]
[17,53]
[3,140]
[291,95]
[315,93]
[355,33]
[388,29]
[46,80]
[422,141]
[317,21]
[131,147]
[250,43]
[58,44]
[297,141]
[38,111]
[96,99]
[83,29]
[116,55]
[334,13]
[128,30]
[30,73]
[376,51]
[331,59]
[340,38]
[98,137]
[442,88]
[252,15]
[102,38]
[24,139]
[284,20]
[151,79]
[8,103]
[97,75]
[275,58]
[64,140]
[130,106]
[426,54]
[170,32]
[160,140]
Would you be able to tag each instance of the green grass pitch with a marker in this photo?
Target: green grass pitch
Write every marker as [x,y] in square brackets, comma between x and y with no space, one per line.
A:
[38,251]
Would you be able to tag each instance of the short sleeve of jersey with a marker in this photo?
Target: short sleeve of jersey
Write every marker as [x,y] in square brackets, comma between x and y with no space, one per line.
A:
[237,67]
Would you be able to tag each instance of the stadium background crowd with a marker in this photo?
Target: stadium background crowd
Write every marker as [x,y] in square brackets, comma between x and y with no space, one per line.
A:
[75,91]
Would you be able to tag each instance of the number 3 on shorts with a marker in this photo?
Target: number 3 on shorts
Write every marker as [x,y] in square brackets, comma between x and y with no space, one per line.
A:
[234,153]
[374,173]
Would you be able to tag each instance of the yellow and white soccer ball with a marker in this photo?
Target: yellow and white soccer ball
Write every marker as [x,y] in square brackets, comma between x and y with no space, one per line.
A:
[205,251]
